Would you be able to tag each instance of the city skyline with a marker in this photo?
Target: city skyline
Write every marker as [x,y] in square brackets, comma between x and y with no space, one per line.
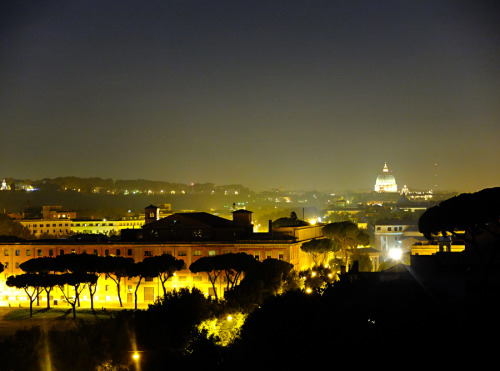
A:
[300,95]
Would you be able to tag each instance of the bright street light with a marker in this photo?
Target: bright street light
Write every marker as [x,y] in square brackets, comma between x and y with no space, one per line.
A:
[395,253]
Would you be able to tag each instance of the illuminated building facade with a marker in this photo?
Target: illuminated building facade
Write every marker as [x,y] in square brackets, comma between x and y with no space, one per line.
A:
[395,234]
[282,243]
[104,226]
[386,182]
[53,227]
[65,227]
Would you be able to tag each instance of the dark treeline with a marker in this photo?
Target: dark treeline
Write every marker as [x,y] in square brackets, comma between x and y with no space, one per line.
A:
[349,323]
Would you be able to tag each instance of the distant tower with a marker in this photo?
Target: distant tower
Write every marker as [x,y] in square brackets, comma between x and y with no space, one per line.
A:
[152,213]
[435,175]
[4,187]
[386,182]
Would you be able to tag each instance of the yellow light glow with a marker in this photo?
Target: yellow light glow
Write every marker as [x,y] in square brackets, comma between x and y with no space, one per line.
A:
[308,290]
[135,356]
[229,318]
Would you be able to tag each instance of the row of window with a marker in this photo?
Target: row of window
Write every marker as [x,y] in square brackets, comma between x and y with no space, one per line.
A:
[35,231]
[390,229]
[40,225]
[39,252]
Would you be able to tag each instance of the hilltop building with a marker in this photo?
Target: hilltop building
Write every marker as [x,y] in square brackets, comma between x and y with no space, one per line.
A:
[386,182]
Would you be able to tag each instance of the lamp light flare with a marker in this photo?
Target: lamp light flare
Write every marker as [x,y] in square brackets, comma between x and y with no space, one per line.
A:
[395,253]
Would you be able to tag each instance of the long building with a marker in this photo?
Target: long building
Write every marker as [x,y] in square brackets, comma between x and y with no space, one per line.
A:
[198,239]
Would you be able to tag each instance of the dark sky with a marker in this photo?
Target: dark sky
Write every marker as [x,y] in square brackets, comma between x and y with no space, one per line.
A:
[294,94]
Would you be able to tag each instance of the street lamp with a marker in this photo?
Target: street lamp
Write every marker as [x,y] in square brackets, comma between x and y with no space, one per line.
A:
[395,253]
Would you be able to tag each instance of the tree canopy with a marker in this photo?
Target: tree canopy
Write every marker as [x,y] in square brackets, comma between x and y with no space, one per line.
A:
[347,235]
[319,247]
[232,264]
[472,213]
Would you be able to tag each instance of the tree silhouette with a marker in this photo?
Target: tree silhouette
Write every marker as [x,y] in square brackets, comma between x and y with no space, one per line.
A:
[164,267]
[476,214]
[347,235]
[319,248]
[116,268]
[30,283]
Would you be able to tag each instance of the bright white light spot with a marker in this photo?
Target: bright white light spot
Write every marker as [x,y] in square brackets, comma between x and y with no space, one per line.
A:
[395,254]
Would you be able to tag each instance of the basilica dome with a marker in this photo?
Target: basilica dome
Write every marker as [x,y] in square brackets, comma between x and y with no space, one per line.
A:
[386,182]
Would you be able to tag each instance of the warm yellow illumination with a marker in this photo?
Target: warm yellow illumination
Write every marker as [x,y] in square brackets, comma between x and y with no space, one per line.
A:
[135,356]
[313,274]
[225,329]
[308,290]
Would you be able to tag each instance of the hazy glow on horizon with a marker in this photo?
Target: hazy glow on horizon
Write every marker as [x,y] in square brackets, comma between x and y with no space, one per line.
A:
[301,95]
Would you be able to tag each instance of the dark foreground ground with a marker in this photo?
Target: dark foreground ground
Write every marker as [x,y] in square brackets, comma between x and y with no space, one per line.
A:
[15,318]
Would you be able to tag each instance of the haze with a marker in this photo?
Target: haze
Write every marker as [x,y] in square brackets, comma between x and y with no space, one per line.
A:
[293,94]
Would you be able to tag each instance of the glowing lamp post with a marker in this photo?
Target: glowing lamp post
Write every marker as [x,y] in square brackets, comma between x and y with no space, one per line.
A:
[136,358]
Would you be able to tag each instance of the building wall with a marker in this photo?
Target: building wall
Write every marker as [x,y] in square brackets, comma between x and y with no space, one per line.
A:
[64,227]
[388,236]
[12,255]
[433,248]
[56,227]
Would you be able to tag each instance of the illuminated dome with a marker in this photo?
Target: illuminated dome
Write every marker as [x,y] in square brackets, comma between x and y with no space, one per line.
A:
[386,181]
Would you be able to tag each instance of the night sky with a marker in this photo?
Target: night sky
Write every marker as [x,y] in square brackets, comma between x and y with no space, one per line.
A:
[304,95]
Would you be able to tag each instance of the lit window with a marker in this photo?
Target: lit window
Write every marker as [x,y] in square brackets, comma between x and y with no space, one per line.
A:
[212,253]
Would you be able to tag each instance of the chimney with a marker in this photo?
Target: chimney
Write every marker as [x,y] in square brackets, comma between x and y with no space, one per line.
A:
[242,218]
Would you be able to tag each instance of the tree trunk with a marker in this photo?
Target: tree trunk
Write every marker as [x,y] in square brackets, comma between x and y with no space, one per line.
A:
[48,298]
[92,293]
[213,281]
[137,289]
[119,293]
